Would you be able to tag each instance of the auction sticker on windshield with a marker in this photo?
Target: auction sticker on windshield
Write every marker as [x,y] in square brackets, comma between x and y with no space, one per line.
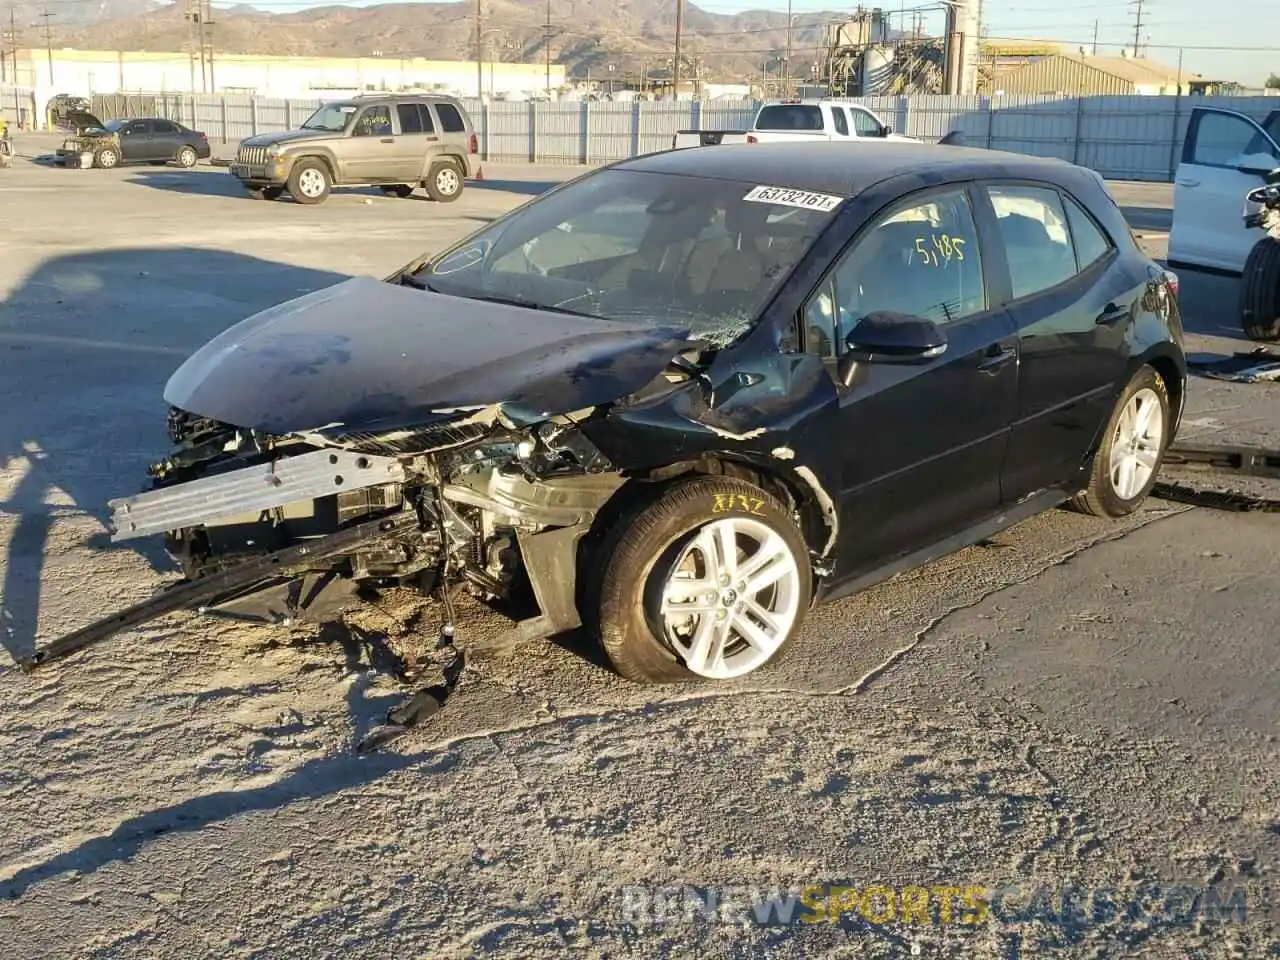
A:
[793,198]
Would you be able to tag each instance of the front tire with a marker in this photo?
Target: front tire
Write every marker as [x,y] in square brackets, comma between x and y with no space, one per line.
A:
[709,581]
[106,159]
[309,182]
[444,181]
[1260,291]
[265,193]
[1128,461]
[402,190]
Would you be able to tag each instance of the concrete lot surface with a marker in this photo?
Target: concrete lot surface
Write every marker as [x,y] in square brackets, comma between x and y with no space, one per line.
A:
[1078,705]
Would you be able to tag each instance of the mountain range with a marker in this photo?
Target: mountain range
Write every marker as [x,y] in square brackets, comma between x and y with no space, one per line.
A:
[587,35]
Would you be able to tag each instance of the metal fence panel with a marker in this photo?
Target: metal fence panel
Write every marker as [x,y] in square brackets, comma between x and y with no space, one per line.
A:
[1122,137]
[17,105]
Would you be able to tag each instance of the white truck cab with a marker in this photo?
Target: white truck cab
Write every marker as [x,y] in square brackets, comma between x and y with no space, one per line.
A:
[818,120]
[799,120]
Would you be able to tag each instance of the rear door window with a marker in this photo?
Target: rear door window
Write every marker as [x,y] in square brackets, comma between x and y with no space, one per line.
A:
[841,122]
[450,119]
[414,118]
[165,128]
[1037,240]
[1090,242]
[789,116]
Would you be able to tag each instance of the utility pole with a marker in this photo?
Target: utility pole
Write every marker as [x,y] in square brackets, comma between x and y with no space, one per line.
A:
[1137,27]
[206,21]
[9,48]
[675,70]
[1095,38]
[789,47]
[480,49]
[546,35]
[48,41]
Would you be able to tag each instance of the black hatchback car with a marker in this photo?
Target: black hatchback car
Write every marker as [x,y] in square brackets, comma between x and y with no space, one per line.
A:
[142,140]
[682,398]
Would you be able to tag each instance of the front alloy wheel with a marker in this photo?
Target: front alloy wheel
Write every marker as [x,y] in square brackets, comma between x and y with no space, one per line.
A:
[732,598]
[710,580]
[107,158]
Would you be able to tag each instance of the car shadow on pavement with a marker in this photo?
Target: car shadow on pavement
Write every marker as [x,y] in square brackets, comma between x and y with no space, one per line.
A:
[86,346]
[207,181]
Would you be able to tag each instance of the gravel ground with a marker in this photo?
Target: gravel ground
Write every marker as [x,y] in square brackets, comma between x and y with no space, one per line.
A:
[1076,706]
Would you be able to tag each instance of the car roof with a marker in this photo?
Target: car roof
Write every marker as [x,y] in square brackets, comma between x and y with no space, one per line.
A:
[848,169]
[400,97]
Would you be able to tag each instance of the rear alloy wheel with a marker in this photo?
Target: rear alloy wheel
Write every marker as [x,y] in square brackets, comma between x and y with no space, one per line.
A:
[444,181]
[106,158]
[1127,463]
[309,182]
[711,581]
[1260,291]
[401,190]
[187,157]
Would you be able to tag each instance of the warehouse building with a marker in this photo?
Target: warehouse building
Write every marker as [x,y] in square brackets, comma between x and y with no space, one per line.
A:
[1070,74]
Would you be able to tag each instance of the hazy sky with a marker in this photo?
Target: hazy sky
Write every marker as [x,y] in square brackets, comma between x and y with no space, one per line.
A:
[1226,39]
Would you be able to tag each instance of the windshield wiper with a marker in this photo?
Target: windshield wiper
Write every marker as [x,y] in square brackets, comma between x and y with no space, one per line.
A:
[411,280]
[527,304]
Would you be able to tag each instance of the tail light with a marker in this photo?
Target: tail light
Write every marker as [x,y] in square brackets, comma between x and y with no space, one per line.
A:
[202,136]
[751,139]
[473,145]
[1171,281]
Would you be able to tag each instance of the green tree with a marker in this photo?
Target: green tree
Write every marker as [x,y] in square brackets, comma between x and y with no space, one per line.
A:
[1273,82]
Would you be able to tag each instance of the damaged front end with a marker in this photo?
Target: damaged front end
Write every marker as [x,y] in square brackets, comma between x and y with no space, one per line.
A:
[409,482]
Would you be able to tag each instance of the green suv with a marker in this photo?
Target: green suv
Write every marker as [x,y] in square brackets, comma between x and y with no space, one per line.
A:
[395,142]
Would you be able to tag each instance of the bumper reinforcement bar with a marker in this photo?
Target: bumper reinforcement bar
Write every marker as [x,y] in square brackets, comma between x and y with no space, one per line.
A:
[193,594]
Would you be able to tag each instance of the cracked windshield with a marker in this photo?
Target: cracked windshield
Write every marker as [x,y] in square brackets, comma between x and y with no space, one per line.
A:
[623,245]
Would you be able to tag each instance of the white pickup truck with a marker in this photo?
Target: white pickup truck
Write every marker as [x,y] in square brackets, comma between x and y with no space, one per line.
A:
[804,120]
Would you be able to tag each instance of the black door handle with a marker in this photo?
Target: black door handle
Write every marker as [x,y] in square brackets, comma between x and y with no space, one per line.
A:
[996,358]
[1112,315]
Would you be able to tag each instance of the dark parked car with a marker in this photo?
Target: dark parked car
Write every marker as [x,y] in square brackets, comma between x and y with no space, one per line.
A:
[682,398]
[148,140]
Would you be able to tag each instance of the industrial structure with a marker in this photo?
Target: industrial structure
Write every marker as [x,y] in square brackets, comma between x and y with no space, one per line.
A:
[865,58]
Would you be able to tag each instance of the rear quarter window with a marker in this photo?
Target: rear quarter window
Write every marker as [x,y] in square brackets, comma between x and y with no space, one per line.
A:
[789,116]
[450,119]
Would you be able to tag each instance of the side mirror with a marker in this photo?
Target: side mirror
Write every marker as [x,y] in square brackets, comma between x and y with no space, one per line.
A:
[887,337]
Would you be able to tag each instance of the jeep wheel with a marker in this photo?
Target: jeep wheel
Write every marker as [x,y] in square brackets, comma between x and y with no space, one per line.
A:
[265,193]
[709,581]
[401,190]
[309,182]
[187,157]
[106,158]
[444,181]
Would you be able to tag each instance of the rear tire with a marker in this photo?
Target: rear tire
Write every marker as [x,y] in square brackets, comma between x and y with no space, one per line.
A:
[1127,463]
[309,182]
[265,193]
[401,190]
[187,158]
[444,181]
[654,632]
[1260,291]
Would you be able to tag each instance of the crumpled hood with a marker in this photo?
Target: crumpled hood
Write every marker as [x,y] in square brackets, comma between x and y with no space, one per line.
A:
[366,354]
[290,136]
